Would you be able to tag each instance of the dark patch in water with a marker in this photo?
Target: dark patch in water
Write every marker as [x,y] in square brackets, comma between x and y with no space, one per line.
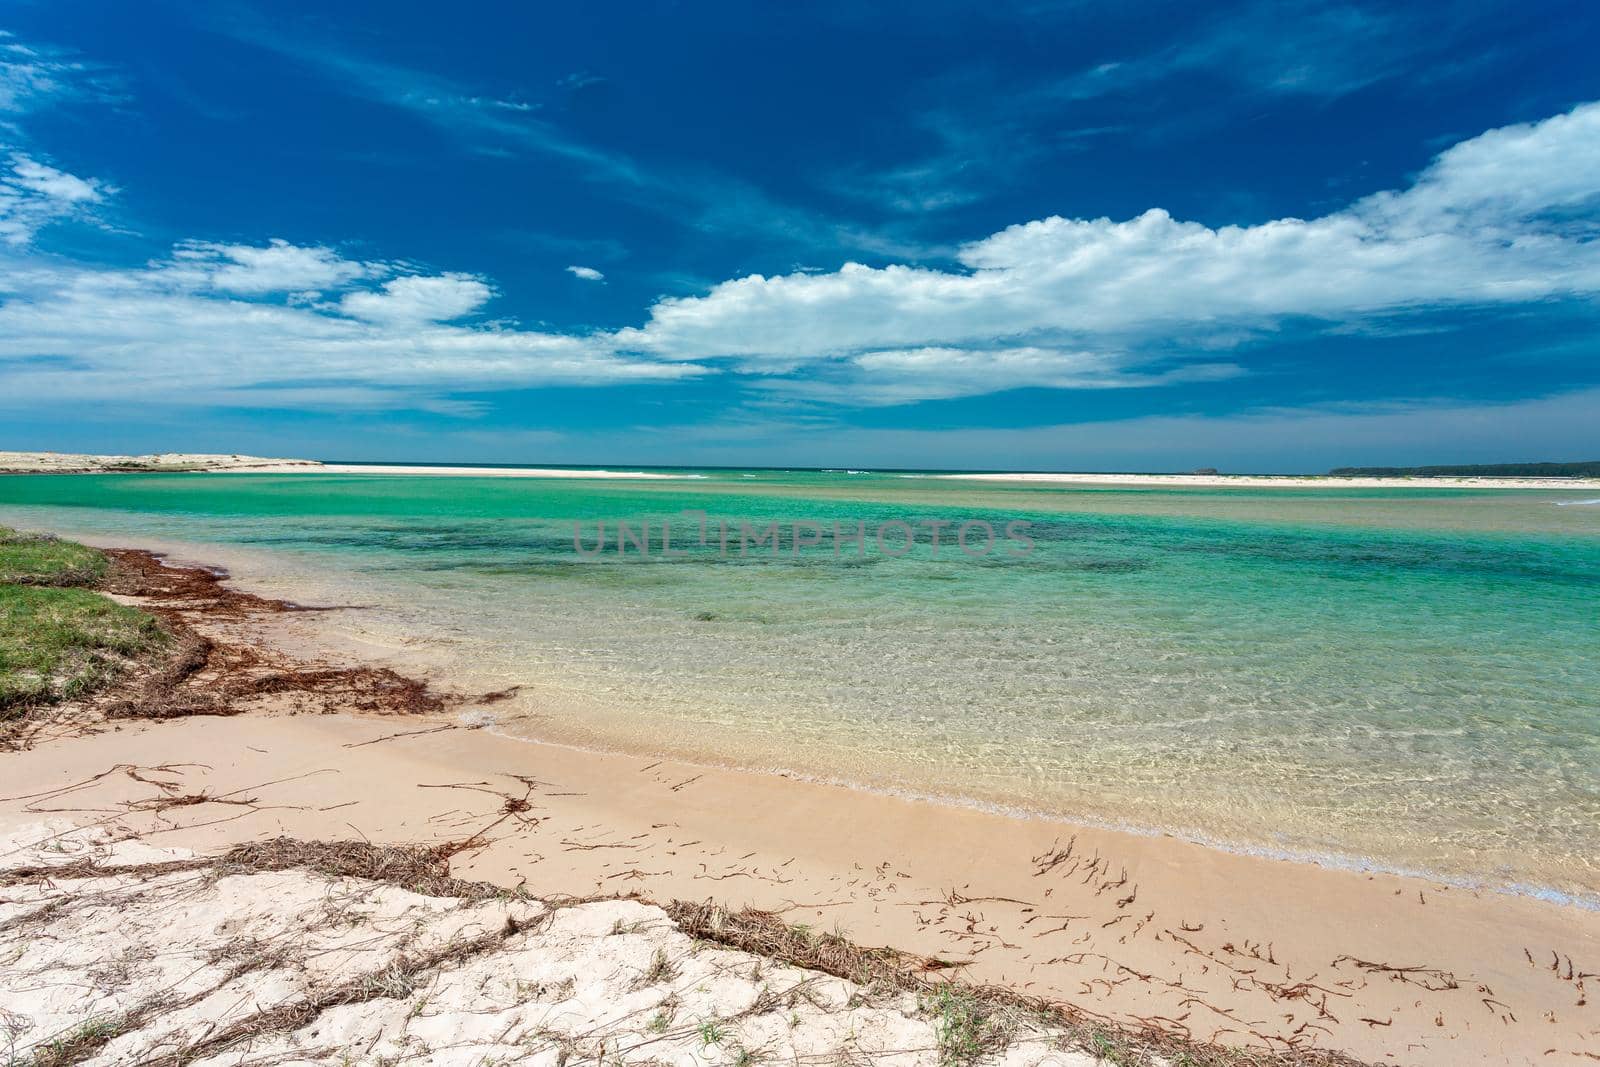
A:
[1111,566]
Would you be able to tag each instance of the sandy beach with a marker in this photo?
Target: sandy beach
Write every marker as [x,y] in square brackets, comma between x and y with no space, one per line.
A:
[74,463]
[464,471]
[1273,481]
[368,954]
[211,463]
[1196,481]
[1137,931]
[151,463]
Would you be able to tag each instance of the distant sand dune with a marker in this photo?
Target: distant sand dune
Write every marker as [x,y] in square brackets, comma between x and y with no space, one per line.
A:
[82,463]
[1275,481]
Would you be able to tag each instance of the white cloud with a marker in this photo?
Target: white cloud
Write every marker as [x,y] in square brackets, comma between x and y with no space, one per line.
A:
[1502,178]
[1508,216]
[31,75]
[277,267]
[1493,220]
[40,180]
[34,194]
[419,299]
[588,274]
[170,333]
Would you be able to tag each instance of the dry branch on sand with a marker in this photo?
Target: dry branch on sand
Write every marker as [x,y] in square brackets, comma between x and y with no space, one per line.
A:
[346,952]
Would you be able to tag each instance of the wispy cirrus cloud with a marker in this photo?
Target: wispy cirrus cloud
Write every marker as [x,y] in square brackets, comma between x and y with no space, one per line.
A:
[33,75]
[988,128]
[707,199]
[1318,48]
[35,194]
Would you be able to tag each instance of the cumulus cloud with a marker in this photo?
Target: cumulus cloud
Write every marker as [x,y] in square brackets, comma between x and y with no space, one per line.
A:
[1509,216]
[183,331]
[419,299]
[588,274]
[1496,219]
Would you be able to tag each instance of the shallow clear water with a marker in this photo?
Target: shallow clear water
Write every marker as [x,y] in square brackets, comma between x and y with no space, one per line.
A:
[1404,677]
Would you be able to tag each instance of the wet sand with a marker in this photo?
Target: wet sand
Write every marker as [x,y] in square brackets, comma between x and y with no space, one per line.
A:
[1138,930]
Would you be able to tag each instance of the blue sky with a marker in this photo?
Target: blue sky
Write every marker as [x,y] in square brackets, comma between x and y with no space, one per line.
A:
[1135,236]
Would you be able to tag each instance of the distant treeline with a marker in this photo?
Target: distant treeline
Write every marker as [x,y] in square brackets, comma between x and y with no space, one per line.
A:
[1476,470]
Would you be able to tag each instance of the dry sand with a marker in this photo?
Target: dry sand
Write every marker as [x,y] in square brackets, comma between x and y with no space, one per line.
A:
[457,472]
[78,463]
[1218,946]
[73,463]
[293,966]
[1136,930]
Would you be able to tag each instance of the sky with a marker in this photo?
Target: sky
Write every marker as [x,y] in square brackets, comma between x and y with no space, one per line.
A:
[1010,235]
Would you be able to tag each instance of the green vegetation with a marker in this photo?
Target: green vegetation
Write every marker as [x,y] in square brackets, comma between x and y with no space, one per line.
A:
[963,1026]
[152,467]
[33,559]
[57,639]
[661,969]
[74,1046]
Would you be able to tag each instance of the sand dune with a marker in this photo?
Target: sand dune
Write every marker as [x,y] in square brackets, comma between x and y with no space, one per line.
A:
[299,966]
[80,463]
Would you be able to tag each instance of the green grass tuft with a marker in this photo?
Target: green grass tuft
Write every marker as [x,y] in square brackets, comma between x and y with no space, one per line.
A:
[56,644]
[76,1045]
[57,641]
[962,1026]
[35,559]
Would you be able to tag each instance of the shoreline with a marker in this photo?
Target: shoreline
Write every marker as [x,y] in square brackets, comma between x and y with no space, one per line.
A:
[328,641]
[582,736]
[1166,481]
[1347,862]
[1272,481]
[209,463]
[464,471]
[975,887]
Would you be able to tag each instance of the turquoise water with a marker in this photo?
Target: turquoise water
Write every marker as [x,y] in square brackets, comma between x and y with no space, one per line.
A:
[1407,678]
